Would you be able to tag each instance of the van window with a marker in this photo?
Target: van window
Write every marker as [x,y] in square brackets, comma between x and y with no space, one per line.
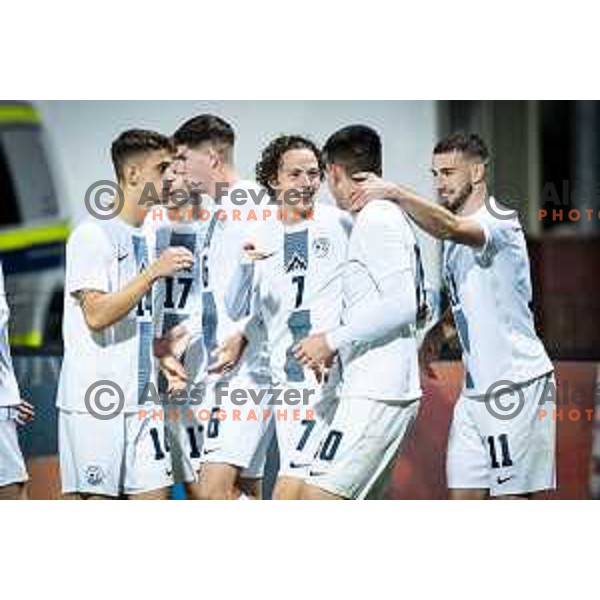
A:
[9,210]
[24,166]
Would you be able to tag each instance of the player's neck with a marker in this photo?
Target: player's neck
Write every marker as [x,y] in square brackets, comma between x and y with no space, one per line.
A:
[475,201]
[228,179]
[292,216]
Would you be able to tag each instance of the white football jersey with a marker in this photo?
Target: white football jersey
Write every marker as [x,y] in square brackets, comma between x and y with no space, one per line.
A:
[179,297]
[105,256]
[298,289]
[9,390]
[490,293]
[231,226]
[382,246]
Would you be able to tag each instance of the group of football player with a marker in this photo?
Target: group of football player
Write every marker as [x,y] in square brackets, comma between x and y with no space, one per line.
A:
[259,290]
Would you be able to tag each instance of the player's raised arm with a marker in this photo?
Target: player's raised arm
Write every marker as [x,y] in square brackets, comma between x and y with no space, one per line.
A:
[433,218]
[102,309]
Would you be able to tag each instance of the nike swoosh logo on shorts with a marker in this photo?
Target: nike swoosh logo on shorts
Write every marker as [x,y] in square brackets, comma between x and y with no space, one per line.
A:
[501,480]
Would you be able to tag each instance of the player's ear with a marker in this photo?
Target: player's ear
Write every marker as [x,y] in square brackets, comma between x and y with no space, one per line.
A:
[332,173]
[477,172]
[273,183]
[132,174]
[214,158]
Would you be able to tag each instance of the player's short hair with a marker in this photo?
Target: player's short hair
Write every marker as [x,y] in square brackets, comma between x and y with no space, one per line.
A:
[136,141]
[271,157]
[470,144]
[357,148]
[207,128]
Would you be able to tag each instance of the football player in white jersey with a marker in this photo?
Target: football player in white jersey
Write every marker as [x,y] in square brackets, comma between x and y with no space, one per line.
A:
[107,447]
[498,444]
[234,451]
[376,340]
[183,222]
[292,283]
[13,411]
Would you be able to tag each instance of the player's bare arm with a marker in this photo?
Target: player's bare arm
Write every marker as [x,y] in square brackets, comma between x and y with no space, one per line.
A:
[442,332]
[433,218]
[169,349]
[101,309]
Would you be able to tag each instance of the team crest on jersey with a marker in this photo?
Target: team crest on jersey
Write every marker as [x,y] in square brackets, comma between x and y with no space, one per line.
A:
[321,247]
[94,475]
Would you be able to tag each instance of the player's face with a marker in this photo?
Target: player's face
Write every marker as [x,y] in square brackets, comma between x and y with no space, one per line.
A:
[454,179]
[340,185]
[298,180]
[152,173]
[199,167]
[174,185]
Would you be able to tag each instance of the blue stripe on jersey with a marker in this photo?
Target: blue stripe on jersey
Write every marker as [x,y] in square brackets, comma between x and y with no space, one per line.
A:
[209,323]
[211,230]
[295,251]
[178,288]
[469,380]
[187,240]
[300,326]
[209,308]
[163,239]
[145,326]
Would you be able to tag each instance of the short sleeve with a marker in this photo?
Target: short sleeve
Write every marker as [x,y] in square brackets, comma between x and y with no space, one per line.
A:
[89,258]
[497,233]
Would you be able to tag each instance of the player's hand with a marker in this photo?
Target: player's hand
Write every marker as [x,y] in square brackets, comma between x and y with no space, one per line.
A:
[251,252]
[314,352]
[174,373]
[228,353]
[430,351]
[25,412]
[173,343]
[367,187]
[171,261]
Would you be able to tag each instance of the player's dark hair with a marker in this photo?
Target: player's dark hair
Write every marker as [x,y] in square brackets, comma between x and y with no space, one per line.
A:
[357,148]
[207,128]
[470,144]
[271,157]
[136,141]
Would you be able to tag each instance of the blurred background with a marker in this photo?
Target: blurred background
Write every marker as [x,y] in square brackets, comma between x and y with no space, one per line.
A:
[545,163]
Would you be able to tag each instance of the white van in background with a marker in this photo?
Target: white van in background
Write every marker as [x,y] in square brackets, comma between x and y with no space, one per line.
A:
[34,226]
